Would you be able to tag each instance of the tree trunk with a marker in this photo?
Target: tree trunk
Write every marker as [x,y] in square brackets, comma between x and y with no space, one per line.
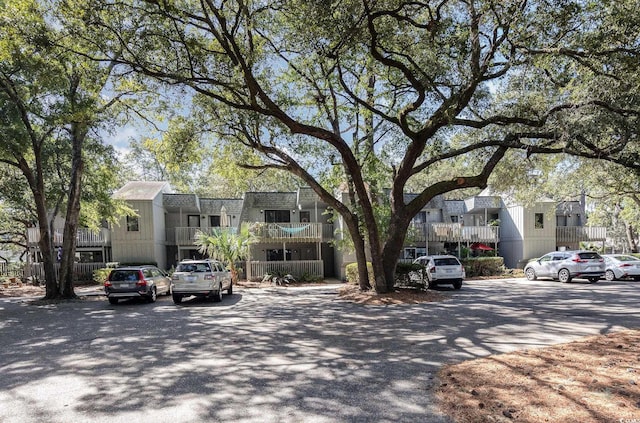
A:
[73,215]
[631,238]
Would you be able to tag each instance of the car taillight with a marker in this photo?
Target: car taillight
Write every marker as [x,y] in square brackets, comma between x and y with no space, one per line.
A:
[141,281]
[208,277]
[107,283]
[626,265]
[432,269]
[579,260]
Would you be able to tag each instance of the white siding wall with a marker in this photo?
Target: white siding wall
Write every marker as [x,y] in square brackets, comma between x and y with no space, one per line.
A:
[511,237]
[539,241]
[148,243]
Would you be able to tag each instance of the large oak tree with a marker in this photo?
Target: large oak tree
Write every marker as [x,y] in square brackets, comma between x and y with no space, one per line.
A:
[380,93]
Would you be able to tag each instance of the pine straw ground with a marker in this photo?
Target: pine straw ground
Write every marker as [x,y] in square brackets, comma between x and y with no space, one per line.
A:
[593,380]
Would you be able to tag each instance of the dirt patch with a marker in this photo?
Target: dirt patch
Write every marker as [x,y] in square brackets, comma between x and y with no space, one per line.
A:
[595,380]
[398,296]
[22,291]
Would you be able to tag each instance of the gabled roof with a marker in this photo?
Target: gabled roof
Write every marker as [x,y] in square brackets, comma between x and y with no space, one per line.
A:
[142,190]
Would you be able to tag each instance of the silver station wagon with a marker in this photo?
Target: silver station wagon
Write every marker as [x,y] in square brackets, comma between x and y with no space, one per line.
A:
[200,278]
[136,282]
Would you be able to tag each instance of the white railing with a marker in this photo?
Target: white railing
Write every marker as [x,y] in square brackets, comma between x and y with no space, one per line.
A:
[257,269]
[84,237]
[452,232]
[81,271]
[265,232]
[187,235]
[571,234]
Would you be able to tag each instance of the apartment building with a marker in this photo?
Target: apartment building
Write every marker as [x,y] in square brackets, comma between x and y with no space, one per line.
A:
[293,230]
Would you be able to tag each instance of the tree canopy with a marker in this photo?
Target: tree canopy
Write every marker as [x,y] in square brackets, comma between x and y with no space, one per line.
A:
[367,95]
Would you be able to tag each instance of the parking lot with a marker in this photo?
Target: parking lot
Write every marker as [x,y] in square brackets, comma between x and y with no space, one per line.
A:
[278,354]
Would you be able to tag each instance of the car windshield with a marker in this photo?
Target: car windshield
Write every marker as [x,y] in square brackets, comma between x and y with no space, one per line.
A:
[589,256]
[124,275]
[193,267]
[446,261]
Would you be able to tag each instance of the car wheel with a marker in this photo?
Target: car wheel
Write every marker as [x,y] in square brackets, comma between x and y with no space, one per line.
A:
[564,276]
[217,295]
[113,301]
[457,284]
[530,274]
[609,275]
[177,298]
[230,290]
[153,295]
[594,280]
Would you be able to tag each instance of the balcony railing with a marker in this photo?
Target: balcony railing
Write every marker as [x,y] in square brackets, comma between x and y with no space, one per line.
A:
[452,232]
[297,232]
[187,235]
[257,269]
[84,237]
[573,234]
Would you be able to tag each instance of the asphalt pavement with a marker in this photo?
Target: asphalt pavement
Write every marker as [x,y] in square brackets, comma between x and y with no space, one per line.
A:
[278,354]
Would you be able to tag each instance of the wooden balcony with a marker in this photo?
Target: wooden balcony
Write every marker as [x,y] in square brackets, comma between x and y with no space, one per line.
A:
[452,232]
[84,237]
[290,232]
[575,234]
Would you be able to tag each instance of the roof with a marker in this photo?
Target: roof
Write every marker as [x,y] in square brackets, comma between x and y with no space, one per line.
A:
[142,190]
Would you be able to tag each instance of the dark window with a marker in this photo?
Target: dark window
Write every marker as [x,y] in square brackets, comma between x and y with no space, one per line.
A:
[421,217]
[454,219]
[277,216]
[589,256]
[539,220]
[277,255]
[132,224]
[124,275]
[214,221]
[193,221]
[305,216]
[447,261]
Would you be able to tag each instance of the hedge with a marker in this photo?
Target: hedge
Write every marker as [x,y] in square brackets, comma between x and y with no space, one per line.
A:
[483,266]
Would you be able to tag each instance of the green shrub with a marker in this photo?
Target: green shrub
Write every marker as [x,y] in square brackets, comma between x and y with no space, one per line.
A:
[101,275]
[351,271]
[483,266]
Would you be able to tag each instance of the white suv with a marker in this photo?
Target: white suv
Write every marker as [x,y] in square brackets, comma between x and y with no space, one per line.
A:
[442,270]
[201,278]
[566,265]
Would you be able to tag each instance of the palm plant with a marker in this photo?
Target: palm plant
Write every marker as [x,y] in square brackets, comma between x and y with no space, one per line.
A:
[226,245]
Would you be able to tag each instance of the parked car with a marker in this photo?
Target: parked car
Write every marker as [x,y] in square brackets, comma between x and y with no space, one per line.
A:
[442,270]
[621,266]
[136,282]
[202,278]
[566,265]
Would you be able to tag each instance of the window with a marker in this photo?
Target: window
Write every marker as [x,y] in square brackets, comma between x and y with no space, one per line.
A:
[214,221]
[409,253]
[421,217]
[539,221]
[132,224]
[193,221]
[277,216]
[305,216]
[454,219]
[278,255]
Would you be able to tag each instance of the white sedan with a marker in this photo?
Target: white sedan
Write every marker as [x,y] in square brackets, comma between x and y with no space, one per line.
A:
[621,266]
